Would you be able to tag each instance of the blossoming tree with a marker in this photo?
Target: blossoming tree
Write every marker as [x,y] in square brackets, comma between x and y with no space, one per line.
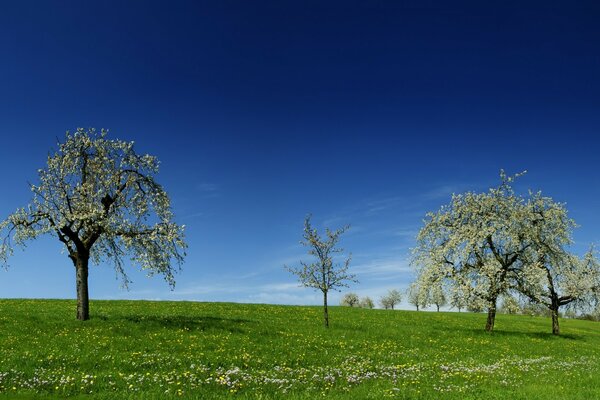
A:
[476,241]
[101,201]
[488,244]
[554,277]
[324,274]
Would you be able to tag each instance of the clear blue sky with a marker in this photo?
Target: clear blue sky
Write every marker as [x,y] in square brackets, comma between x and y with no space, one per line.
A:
[370,113]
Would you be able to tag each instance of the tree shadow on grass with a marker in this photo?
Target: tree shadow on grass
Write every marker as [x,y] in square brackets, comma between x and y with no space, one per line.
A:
[191,323]
[531,335]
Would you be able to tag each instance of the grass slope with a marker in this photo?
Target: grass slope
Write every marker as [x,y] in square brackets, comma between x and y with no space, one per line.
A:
[155,350]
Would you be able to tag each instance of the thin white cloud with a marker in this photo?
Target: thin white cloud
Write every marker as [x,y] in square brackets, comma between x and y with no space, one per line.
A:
[208,190]
[207,187]
[383,266]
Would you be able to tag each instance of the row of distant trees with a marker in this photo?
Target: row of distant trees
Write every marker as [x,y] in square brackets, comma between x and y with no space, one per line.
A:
[388,301]
[508,303]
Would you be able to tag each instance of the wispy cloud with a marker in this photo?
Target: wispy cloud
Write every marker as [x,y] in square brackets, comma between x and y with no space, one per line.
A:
[383,266]
[443,192]
[208,190]
[207,187]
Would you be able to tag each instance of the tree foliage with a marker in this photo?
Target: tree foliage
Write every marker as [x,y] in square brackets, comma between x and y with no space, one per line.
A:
[477,240]
[325,273]
[366,302]
[510,305]
[391,299]
[487,244]
[418,295]
[99,198]
[350,300]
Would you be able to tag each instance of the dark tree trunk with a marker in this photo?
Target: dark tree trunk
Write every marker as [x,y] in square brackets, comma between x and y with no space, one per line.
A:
[438,308]
[491,317]
[555,326]
[83,299]
[554,311]
[325,311]
[417,307]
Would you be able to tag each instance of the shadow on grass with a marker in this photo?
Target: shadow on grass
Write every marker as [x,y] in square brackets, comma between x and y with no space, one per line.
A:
[532,335]
[199,323]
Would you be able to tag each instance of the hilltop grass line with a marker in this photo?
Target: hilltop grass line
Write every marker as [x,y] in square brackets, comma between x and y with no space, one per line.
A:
[165,350]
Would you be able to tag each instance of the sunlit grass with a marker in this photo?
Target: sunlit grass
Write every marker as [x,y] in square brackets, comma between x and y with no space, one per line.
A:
[139,349]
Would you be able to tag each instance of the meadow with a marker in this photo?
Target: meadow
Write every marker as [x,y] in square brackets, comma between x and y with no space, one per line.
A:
[164,350]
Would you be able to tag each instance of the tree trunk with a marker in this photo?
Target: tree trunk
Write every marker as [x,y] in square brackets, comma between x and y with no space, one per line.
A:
[417,307]
[83,299]
[555,326]
[438,308]
[491,317]
[325,312]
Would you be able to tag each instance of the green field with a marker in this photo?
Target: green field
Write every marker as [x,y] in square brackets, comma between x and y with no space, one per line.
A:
[146,350]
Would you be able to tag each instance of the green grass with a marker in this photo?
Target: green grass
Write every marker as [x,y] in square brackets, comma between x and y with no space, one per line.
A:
[156,350]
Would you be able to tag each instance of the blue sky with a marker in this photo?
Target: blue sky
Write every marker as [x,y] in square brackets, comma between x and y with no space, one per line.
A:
[369,113]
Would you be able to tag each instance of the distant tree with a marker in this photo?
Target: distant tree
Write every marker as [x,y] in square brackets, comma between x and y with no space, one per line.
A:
[417,295]
[390,299]
[366,302]
[438,295]
[458,298]
[476,305]
[350,300]
[510,305]
[532,308]
[98,197]
[324,274]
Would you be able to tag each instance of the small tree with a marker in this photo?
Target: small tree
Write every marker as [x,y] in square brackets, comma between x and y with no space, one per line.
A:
[438,295]
[458,298]
[417,295]
[366,302]
[350,300]
[324,274]
[100,200]
[390,299]
[510,305]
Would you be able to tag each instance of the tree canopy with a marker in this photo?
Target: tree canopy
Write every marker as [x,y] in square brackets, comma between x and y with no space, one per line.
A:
[99,198]
[487,244]
[325,273]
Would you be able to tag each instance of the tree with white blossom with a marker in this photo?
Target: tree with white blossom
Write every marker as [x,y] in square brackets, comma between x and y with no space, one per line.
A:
[477,242]
[438,295]
[554,277]
[325,274]
[99,198]
[458,298]
[350,300]
[366,302]
[489,244]
[390,299]
[418,295]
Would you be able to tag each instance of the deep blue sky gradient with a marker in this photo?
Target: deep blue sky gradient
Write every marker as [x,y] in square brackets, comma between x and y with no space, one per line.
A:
[363,112]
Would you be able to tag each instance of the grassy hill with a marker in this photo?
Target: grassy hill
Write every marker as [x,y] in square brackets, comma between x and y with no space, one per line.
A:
[147,350]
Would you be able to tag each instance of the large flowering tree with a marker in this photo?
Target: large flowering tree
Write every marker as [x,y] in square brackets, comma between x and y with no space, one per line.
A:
[489,244]
[553,277]
[101,201]
[476,242]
